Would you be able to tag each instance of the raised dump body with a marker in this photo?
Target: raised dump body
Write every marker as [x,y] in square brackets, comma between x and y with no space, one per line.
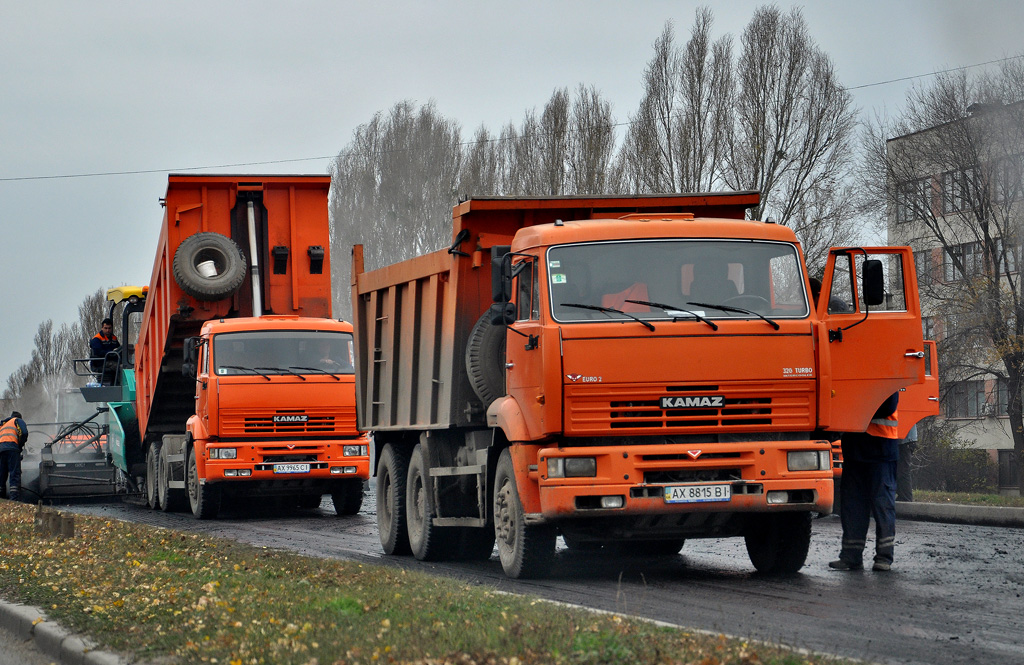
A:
[239,383]
[625,372]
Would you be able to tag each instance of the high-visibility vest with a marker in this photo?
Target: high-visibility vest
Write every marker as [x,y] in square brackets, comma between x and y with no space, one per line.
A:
[10,432]
[885,428]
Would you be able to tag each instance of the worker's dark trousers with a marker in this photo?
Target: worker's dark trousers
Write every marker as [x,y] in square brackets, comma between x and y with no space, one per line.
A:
[868,490]
[10,472]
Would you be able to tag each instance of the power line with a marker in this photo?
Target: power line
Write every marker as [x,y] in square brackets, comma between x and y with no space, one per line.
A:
[66,176]
[944,71]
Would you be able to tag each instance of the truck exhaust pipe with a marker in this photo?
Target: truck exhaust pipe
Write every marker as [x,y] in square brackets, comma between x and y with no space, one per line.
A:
[254,264]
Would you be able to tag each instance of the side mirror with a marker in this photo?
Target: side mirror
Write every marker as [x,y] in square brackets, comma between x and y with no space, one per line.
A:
[873,283]
[503,314]
[190,360]
[501,273]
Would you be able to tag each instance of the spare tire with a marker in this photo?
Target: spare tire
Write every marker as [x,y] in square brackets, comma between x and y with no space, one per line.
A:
[485,359]
[209,266]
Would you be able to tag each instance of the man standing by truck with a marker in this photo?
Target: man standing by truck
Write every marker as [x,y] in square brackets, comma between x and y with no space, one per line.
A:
[868,489]
[13,435]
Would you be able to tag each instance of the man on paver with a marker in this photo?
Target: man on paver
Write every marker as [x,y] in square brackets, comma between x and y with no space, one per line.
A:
[868,489]
[102,343]
[13,435]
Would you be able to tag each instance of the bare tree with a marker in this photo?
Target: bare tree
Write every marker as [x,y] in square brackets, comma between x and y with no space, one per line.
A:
[393,188]
[481,165]
[677,139]
[794,128]
[591,147]
[949,171]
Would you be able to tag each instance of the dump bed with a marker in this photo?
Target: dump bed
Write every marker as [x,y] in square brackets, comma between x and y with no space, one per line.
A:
[412,319]
[291,237]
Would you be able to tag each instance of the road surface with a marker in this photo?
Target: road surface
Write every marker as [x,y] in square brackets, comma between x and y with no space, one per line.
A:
[954,594]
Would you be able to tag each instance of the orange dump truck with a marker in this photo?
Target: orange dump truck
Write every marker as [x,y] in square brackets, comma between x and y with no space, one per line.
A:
[239,384]
[621,371]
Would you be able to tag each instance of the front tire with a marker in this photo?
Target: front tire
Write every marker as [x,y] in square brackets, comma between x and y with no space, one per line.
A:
[526,551]
[203,498]
[348,498]
[777,544]
[392,469]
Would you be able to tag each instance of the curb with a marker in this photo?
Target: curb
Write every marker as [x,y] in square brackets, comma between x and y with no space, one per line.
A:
[961,514]
[30,623]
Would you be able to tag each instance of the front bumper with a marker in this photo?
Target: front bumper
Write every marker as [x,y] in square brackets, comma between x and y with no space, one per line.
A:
[281,462]
[754,471]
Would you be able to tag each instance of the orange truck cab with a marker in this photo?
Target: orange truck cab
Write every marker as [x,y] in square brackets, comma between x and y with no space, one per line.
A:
[623,372]
[235,381]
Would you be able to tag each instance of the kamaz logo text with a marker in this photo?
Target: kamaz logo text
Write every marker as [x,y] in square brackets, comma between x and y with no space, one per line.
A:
[291,418]
[693,402]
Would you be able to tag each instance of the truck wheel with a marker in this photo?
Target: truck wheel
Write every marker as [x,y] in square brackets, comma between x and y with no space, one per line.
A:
[203,499]
[485,359]
[171,500]
[218,255]
[777,544]
[525,550]
[427,542]
[392,469]
[152,475]
[348,498]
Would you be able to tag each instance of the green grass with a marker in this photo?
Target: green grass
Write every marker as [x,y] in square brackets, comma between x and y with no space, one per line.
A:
[969,498]
[164,595]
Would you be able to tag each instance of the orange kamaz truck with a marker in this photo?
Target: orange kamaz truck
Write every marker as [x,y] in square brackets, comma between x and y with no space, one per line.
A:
[233,380]
[622,372]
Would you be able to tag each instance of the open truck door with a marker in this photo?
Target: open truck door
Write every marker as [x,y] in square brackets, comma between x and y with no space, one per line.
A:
[872,338]
[921,399]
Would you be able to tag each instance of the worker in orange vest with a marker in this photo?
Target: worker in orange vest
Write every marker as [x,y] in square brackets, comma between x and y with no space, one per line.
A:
[868,488]
[13,435]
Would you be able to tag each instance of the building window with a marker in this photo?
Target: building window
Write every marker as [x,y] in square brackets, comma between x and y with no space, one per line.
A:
[966,399]
[913,200]
[1002,398]
[956,190]
[951,272]
[1008,476]
[928,327]
[925,266]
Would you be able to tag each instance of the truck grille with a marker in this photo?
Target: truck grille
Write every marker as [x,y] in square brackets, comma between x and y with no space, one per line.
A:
[316,422]
[594,408]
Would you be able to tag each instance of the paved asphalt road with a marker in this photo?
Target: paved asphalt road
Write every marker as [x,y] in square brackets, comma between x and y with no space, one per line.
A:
[954,595]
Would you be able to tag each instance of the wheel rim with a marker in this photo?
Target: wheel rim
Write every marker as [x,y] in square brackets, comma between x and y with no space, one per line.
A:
[388,495]
[417,511]
[193,483]
[504,520]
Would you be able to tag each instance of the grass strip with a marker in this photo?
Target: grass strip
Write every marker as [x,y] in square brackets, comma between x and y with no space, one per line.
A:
[969,498]
[166,596]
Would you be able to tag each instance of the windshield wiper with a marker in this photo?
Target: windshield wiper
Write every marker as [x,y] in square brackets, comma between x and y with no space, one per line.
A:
[738,310]
[669,309]
[317,369]
[598,308]
[254,370]
[282,369]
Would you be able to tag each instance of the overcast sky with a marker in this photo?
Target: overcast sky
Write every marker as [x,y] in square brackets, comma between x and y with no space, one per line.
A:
[155,88]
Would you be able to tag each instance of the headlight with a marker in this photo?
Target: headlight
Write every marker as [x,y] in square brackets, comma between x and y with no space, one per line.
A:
[354,451]
[572,467]
[804,460]
[223,453]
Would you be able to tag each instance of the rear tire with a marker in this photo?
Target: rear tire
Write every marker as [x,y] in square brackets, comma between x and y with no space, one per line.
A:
[171,500]
[526,551]
[777,544]
[203,498]
[392,469]
[348,498]
[153,475]
[427,542]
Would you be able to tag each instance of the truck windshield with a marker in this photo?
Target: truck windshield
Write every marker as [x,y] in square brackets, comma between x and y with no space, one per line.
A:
[747,278]
[282,352]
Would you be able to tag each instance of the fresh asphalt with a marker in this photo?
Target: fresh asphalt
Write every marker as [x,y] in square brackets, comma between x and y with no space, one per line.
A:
[21,624]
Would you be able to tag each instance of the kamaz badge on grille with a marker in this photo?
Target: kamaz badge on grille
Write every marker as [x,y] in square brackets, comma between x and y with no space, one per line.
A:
[693,402]
[291,418]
